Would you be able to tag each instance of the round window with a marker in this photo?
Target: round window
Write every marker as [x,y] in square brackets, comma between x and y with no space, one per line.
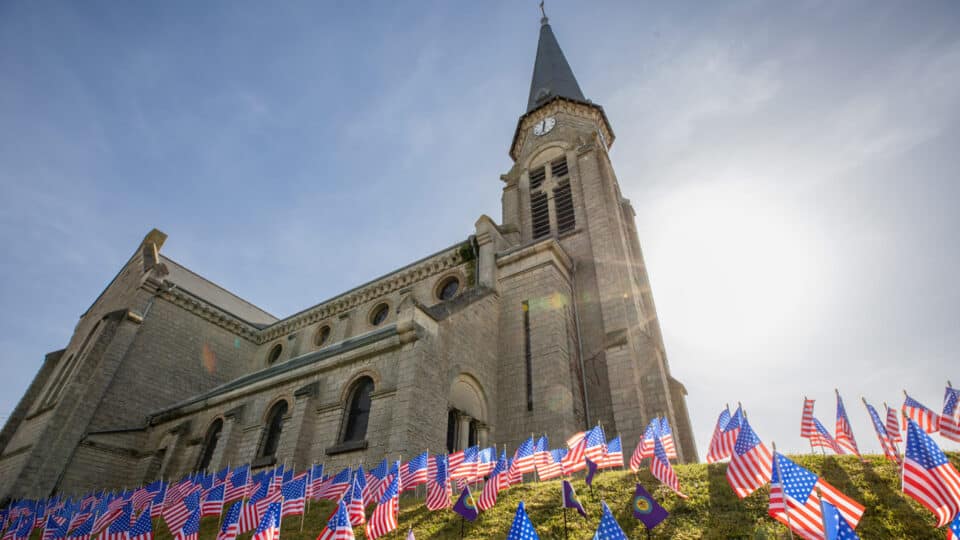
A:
[274,354]
[379,314]
[323,334]
[448,288]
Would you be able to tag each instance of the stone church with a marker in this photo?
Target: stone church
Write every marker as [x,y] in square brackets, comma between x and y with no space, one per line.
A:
[543,323]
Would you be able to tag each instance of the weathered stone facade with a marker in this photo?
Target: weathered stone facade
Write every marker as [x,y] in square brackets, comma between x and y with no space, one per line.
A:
[542,324]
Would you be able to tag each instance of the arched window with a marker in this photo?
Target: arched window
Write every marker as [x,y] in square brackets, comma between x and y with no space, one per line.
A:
[210,444]
[358,412]
[271,438]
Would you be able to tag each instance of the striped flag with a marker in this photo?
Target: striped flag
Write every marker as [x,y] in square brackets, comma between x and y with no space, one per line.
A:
[889,448]
[550,466]
[614,457]
[595,444]
[541,451]
[728,436]
[374,477]
[338,526]
[661,469]
[807,429]
[353,499]
[919,413]
[644,448]
[119,529]
[190,529]
[384,517]
[467,466]
[713,453]
[822,438]
[230,527]
[495,483]
[666,438]
[835,526]
[316,480]
[142,529]
[844,433]
[334,487]
[269,528]
[953,531]
[749,467]
[294,495]
[928,476]
[523,457]
[486,461]
[212,501]
[893,425]
[415,472]
[438,488]
[950,418]
[794,503]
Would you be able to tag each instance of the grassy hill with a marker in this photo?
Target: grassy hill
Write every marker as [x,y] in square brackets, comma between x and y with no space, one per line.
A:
[712,511]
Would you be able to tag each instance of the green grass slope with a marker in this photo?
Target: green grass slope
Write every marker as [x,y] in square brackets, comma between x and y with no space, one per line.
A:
[712,510]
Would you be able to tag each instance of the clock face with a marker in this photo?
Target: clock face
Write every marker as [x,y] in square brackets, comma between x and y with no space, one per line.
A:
[544,126]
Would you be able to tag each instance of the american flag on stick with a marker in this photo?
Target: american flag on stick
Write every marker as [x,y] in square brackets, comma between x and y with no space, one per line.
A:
[750,466]
[928,476]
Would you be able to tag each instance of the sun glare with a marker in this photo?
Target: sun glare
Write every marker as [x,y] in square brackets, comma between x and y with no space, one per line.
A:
[732,266]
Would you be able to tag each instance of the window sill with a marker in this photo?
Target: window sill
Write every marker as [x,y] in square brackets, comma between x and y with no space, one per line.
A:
[344,447]
[263,461]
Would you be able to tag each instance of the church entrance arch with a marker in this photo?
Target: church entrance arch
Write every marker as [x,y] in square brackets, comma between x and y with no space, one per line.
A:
[466,414]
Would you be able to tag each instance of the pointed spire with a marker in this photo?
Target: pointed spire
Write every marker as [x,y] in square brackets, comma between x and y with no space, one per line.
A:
[552,75]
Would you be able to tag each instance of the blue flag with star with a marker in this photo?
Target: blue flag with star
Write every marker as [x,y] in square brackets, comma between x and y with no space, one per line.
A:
[835,527]
[609,529]
[522,529]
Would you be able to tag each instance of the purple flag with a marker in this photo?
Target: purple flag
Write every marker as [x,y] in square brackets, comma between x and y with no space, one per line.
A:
[646,509]
[570,499]
[591,470]
[466,506]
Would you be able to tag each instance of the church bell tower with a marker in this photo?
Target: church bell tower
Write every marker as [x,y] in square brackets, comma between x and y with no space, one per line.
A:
[562,188]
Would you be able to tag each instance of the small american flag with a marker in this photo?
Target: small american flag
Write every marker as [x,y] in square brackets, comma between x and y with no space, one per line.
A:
[488,497]
[596,444]
[212,501]
[415,472]
[608,529]
[541,450]
[467,466]
[178,514]
[353,499]
[384,517]
[230,527]
[334,488]
[269,528]
[338,526]
[844,433]
[794,503]
[550,465]
[237,485]
[928,476]
[950,419]
[294,496]
[142,529]
[438,488]
[614,457]
[953,531]
[821,438]
[919,413]
[893,424]
[316,478]
[374,477]
[645,446]
[713,453]
[523,458]
[666,438]
[486,461]
[191,528]
[573,461]
[119,529]
[889,448]
[807,429]
[661,469]
[749,467]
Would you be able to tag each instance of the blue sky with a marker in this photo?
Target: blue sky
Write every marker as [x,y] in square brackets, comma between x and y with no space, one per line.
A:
[793,166]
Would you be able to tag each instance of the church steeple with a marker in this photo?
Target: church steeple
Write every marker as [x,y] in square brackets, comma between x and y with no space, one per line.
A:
[552,75]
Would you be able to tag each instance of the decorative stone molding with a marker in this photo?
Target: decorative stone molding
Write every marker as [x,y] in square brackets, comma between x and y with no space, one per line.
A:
[184,299]
[431,266]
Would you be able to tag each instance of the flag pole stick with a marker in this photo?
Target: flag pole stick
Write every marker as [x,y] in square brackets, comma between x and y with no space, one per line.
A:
[565,533]
[786,511]
[461,527]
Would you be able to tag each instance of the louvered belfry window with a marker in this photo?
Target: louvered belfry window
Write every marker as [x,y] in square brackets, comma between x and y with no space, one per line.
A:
[562,199]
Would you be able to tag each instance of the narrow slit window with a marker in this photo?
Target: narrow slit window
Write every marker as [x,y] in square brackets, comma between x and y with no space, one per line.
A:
[563,203]
[527,355]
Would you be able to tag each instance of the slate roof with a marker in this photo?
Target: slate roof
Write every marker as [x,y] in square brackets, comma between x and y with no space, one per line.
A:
[552,75]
